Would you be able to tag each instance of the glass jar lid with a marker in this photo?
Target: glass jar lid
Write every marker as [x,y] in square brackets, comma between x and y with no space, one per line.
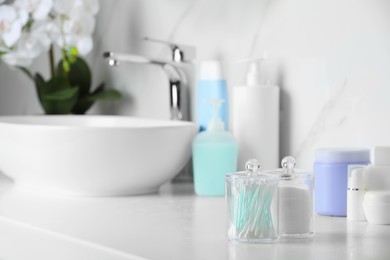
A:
[252,172]
[288,170]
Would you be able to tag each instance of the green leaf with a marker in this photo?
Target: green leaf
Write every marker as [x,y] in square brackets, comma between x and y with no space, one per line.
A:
[82,106]
[110,94]
[98,94]
[38,79]
[79,75]
[85,103]
[98,89]
[26,71]
[62,94]
[58,96]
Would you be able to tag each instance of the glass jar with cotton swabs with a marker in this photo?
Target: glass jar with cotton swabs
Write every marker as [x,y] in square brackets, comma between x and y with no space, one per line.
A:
[295,196]
[252,207]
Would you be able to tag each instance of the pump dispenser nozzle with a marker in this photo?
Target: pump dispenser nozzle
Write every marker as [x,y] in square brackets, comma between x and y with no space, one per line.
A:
[253,75]
[216,123]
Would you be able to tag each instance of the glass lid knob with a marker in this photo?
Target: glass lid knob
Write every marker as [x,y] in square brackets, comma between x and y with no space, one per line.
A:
[288,164]
[252,166]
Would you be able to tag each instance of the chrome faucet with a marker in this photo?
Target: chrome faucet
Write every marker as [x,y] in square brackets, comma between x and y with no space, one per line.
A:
[180,56]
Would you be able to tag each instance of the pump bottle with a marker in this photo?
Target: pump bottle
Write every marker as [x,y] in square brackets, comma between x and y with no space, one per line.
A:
[214,155]
[255,125]
[211,85]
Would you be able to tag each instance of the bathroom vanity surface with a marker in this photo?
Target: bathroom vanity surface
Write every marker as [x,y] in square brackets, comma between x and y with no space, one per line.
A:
[173,224]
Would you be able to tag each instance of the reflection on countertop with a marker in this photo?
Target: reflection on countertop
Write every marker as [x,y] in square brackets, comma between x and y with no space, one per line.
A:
[173,224]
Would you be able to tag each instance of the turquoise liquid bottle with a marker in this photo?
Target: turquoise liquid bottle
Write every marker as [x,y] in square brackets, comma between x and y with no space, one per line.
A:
[214,155]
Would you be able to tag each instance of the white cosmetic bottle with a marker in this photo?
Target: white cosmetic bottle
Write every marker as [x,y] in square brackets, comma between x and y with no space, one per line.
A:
[355,194]
[377,175]
[255,114]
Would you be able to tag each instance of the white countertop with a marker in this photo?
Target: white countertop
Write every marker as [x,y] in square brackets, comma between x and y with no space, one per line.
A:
[174,224]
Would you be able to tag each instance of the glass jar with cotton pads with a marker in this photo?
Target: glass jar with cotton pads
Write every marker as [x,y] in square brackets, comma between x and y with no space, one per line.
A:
[295,195]
[252,212]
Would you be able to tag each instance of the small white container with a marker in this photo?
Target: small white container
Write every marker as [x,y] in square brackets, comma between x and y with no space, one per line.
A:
[376,205]
[355,193]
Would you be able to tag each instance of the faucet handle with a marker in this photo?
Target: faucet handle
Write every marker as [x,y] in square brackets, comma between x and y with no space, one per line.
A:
[180,52]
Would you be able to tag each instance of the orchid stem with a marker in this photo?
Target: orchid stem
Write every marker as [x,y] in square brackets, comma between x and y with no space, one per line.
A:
[51,61]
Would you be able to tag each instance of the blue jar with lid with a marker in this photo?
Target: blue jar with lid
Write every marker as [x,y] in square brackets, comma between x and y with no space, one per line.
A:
[331,178]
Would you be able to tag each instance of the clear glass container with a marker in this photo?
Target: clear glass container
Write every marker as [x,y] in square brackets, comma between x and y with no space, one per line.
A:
[295,196]
[252,208]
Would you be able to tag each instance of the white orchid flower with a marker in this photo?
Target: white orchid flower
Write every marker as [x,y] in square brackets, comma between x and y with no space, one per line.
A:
[41,34]
[89,6]
[77,32]
[10,25]
[65,22]
[79,25]
[52,28]
[29,46]
[17,58]
[39,9]
[23,53]
[68,7]
[92,6]
[84,45]
[22,16]
[63,7]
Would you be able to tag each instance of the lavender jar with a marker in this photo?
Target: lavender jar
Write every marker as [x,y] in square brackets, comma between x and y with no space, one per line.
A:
[331,178]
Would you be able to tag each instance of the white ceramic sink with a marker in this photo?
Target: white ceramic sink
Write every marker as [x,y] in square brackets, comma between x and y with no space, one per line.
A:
[93,155]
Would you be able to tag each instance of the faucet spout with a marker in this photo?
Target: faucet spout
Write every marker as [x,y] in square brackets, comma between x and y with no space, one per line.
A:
[177,79]
[114,59]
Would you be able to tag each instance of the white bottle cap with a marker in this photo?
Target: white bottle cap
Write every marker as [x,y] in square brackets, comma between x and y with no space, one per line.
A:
[253,76]
[356,179]
[382,155]
[210,70]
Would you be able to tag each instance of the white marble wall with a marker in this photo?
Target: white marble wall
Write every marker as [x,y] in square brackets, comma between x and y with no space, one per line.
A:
[331,59]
